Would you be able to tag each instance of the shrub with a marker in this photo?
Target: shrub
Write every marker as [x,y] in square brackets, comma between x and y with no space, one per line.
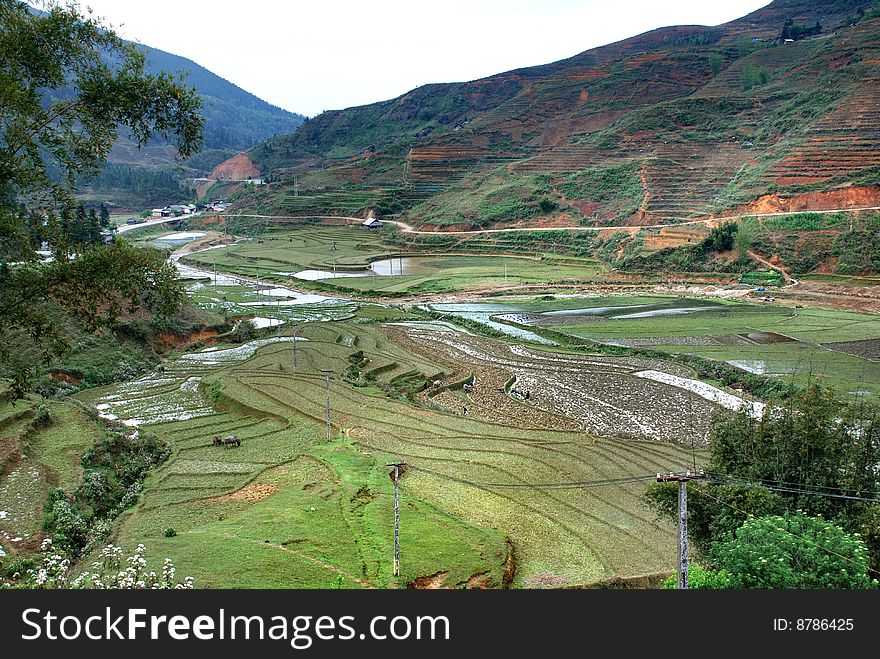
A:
[112,571]
[793,551]
[547,205]
[42,419]
[170,532]
[701,579]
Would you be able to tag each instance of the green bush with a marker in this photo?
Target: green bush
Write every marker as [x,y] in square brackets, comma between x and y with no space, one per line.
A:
[793,551]
[701,579]
[113,470]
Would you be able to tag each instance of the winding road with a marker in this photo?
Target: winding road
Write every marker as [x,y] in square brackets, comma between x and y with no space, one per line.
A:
[711,221]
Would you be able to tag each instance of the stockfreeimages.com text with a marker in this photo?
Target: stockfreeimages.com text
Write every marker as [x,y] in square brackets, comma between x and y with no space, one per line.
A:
[299,631]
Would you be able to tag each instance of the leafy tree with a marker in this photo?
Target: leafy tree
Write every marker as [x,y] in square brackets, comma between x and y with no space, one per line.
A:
[815,440]
[547,205]
[720,239]
[791,31]
[94,235]
[793,551]
[742,241]
[105,217]
[714,510]
[811,443]
[63,106]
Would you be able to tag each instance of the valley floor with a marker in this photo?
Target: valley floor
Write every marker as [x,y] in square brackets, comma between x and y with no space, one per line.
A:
[528,439]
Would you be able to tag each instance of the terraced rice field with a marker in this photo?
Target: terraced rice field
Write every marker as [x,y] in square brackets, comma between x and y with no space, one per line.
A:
[363,263]
[292,509]
[834,347]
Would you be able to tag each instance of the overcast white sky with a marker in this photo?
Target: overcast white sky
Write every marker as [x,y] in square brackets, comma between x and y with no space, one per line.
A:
[330,54]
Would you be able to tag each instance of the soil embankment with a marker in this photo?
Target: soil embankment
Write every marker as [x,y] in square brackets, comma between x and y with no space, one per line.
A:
[237,168]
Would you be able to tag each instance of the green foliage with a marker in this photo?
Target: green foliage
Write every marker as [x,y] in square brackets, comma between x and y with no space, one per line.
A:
[793,551]
[700,578]
[802,109]
[63,108]
[339,134]
[605,183]
[76,128]
[791,31]
[714,511]
[817,440]
[130,185]
[775,464]
[753,76]
[697,115]
[113,470]
[113,570]
[858,252]
[716,62]
[244,331]
[547,205]
[762,278]
[742,240]
[807,222]
[96,288]
[720,239]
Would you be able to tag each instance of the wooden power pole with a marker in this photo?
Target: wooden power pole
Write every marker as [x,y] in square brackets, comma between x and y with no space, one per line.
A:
[327,377]
[397,466]
[682,480]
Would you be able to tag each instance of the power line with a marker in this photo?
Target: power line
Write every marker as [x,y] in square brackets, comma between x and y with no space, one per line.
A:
[396,564]
[541,486]
[790,490]
[790,484]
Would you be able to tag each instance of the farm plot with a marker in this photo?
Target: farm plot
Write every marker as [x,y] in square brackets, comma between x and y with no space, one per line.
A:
[291,509]
[835,347]
[608,396]
[231,295]
[361,262]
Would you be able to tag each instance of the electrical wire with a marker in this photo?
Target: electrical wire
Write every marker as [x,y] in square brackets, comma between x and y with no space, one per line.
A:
[789,490]
[539,486]
[790,484]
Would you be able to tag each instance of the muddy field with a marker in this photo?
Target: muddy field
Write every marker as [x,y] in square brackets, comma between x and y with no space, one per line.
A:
[869,349]
[601,395]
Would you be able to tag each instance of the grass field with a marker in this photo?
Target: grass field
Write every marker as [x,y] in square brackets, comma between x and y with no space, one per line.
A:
[291,508]
[278,254]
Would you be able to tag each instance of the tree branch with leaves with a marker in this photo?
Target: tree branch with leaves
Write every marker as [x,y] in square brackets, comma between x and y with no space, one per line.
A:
[69,86]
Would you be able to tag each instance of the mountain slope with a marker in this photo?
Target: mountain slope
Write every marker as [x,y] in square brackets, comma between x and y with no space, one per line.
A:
[674,124]
[235,118]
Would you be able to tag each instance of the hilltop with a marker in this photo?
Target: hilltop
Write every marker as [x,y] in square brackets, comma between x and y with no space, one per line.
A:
[235,120]
[676,124]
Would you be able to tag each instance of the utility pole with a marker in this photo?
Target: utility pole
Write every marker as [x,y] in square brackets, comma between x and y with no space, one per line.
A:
[397,466]
[327,376]
[295,186]
[295,330]
[682,480]
[333,251]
